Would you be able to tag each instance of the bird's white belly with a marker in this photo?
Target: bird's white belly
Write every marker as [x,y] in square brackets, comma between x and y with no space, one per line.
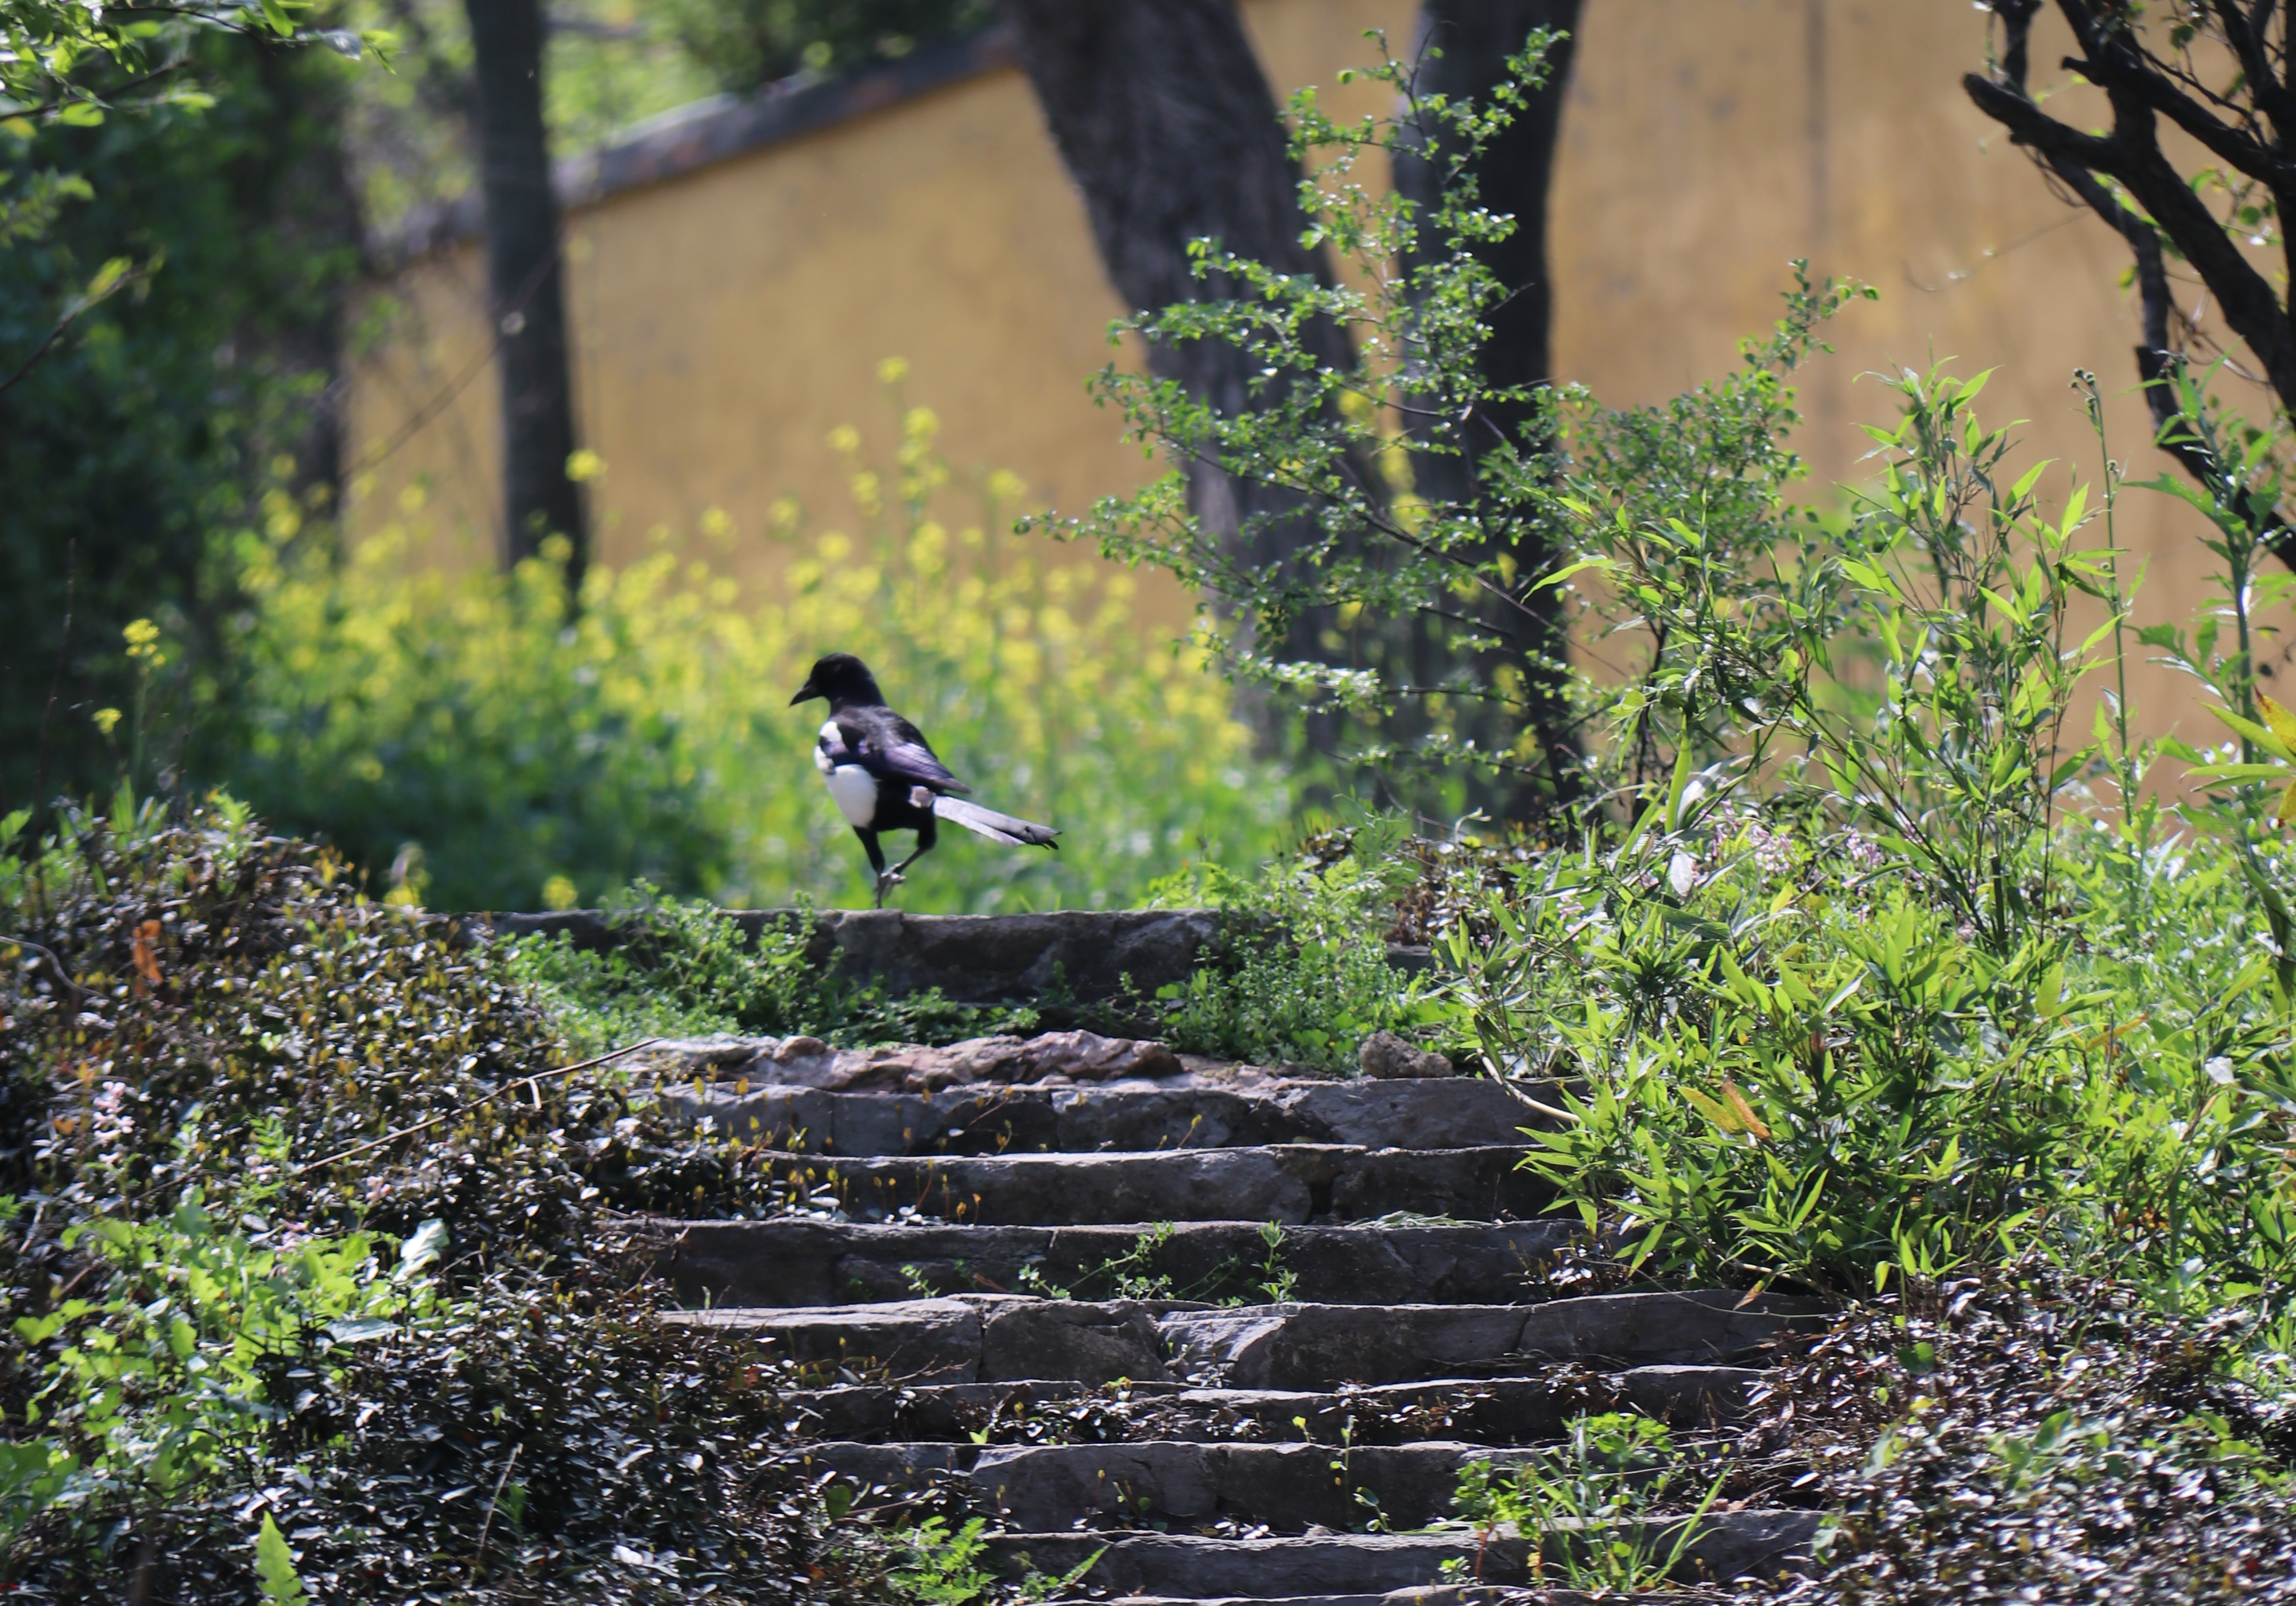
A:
[856,792]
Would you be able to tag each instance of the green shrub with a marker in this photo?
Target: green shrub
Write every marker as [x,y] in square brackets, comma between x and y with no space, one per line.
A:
[685,970]
[310,1209]
[1300,975]
[2030,1435]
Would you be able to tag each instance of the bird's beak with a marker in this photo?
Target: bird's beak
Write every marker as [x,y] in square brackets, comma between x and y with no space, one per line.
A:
[805,694]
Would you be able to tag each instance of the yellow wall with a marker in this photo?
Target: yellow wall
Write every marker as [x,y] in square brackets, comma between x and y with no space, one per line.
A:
[726,321]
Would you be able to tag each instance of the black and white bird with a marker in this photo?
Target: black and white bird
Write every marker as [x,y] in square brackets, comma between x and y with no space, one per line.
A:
[884,775]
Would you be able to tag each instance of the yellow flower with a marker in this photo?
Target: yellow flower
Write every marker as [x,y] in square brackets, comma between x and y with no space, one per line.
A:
[559,892]
[584,465]
[845,440]
[105,718]
[893,370]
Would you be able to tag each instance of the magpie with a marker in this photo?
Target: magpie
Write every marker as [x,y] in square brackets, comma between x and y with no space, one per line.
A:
[884,775]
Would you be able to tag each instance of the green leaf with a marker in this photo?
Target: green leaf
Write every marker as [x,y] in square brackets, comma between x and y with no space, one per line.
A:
[275,1567]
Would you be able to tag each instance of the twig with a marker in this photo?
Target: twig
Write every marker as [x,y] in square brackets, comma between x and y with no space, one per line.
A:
[56,684]
[62,974]
[487,1527]
[93,298]
[419,419]
[391,1137]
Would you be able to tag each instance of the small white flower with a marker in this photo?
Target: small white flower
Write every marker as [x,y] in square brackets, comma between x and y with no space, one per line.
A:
[1682,874]
[2219,1070]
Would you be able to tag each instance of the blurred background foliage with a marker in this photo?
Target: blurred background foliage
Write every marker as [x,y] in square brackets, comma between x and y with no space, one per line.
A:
[130,447]
[174,461]
[448,728]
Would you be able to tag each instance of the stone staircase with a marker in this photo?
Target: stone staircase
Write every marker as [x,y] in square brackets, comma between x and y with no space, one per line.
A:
[1231,1331]
[1237,1333]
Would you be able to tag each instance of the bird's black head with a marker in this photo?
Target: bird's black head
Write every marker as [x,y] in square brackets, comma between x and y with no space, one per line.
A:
[843,679]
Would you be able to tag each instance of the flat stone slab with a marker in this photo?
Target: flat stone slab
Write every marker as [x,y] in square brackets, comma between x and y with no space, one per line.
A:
[1285,1487]
[1287,1183]
[1211,1106]
[1314,1345]
[988,1338]
[1731,1545]
[1083,954]
[803,1262]
[1502,1411]
[959,1340]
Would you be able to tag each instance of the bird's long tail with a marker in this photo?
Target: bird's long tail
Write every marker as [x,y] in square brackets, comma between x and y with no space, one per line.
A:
[995,827]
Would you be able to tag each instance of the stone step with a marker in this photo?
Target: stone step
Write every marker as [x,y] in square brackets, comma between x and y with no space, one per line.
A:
[1220,1108]
[992,1338]
[793,1261]
[1188,1484]
[1728,1544]
[1313,1346]
[1430,1594]
[1287,1487]
[1287,1183]
[1492,1411]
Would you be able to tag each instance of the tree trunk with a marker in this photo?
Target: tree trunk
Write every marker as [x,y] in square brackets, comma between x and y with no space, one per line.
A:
[1167,124]
[525,285]
[1474,38]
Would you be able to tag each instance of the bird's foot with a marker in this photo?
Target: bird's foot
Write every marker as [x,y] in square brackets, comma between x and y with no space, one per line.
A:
[886,882]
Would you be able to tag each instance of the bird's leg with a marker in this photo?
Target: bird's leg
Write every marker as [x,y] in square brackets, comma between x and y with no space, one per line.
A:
[876,858]
[928,833]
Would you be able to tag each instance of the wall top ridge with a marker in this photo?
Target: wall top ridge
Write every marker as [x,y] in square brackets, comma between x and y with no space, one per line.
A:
[704,133]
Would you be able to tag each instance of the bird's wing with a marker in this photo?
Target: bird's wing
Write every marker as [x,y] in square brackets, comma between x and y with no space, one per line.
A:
[886,744]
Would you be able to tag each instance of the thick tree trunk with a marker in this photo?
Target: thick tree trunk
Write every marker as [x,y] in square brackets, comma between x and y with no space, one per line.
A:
[525,284]
[1168,126]
[1474,38]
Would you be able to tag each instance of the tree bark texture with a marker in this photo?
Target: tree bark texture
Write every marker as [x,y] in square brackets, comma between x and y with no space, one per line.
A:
[1166,123]
[1460,51]
[525,285]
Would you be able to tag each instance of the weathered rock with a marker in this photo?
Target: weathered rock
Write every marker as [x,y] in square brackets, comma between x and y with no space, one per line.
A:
[1386,1055]
[1696,1327]
[1060,1339]
[1500,1411]
[1204,1107]
[1086,955]
[796,1262]
[1283,1486]
[930,1340]
[1316,1346]
[1730,1544]
[782,1063]
[958,1340]
[1288,1184]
